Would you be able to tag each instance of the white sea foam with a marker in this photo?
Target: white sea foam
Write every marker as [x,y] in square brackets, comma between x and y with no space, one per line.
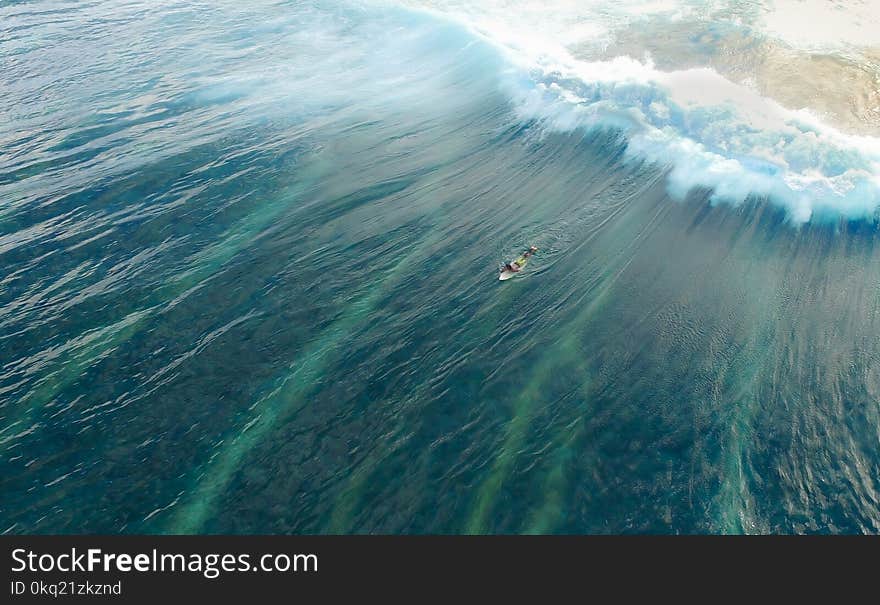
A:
[824,24]
[712,133]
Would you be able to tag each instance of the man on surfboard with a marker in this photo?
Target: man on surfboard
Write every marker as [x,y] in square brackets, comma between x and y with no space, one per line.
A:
[518,263]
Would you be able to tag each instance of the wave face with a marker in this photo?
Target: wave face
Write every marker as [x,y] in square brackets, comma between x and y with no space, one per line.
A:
[249,285]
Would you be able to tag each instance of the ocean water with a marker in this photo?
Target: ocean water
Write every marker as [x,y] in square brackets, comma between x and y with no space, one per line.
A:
[249,254]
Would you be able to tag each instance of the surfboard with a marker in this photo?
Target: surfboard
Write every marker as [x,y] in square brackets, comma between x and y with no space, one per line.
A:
[506,274]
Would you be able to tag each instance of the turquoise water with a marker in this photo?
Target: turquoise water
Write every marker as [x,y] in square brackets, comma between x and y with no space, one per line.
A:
[248,284]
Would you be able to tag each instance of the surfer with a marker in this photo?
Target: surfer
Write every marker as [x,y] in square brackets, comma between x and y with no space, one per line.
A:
[518,263]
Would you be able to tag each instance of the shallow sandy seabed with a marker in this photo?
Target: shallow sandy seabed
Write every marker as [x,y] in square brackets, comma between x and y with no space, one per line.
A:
[843,90]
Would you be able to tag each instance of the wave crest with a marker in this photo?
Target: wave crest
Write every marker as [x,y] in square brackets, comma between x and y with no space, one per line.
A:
[710,132]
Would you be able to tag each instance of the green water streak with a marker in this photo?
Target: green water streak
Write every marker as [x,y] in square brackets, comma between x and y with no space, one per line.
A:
[545,519]
[101,342]
[565,349]
[341,518]
[285,399]
[517,428]
[732,507]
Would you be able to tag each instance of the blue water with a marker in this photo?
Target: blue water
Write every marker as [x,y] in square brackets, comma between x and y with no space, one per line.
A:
[248,283]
